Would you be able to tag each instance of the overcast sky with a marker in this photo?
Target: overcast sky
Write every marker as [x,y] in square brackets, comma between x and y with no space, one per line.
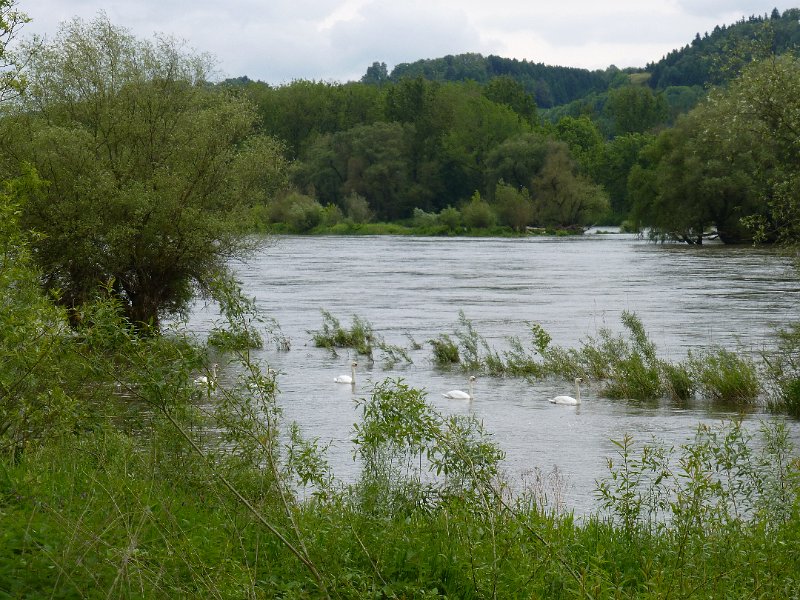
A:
[336,40]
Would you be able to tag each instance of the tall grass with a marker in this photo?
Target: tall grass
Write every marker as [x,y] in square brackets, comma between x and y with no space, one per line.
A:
[626,364]
[359,337]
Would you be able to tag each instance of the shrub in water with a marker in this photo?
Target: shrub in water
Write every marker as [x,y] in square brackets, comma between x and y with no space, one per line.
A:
[677,381]
[445,351]
[332,335]
[725,376]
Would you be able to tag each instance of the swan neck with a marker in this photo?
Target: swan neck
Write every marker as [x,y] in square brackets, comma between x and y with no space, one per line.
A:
[577,393]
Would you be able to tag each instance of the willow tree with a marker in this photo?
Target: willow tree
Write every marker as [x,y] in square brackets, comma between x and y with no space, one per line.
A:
[148,168]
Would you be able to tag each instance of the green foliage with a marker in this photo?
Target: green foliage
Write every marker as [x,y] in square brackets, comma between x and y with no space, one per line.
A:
[147,168]
[12,78]
[445,351]
[401,440]
[716,57]
[242,320]
[31,333]
[360,337]
[730,158]
[782,372]
[300,213]
[550,85]
[504,89]
[160,493]
[712,488]
[450,218]
[357,208]
[725,376]
[678,381]
[478,214]
[424,220]
[513,206]
[635,109]
[563,197]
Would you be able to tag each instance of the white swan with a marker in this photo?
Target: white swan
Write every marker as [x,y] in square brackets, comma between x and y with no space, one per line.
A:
[570,399]
[458,394]
[351,379]
[204,380]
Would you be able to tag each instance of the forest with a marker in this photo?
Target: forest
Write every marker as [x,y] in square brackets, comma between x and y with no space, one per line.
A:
[131,182]
[467,143]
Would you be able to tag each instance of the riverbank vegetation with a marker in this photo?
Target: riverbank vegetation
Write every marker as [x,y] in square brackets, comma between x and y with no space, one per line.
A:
[130,466]
[120,476]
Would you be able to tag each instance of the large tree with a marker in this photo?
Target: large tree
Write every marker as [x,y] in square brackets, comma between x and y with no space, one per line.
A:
[732,158]
[147,166]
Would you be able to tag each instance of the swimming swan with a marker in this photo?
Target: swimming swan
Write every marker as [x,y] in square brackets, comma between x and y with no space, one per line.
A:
[570,399]
[204,380]
[458,394]
[351,379]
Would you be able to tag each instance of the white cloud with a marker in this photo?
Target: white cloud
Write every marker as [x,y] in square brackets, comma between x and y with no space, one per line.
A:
[281,40]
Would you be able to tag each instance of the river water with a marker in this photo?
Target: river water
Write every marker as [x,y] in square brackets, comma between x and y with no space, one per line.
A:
[413,289]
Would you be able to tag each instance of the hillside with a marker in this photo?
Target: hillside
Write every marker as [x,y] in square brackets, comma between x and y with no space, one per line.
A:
[549,85]
[715,57]
[709,59]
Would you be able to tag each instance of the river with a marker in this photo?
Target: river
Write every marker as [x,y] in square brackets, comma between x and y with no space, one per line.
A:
[413,289]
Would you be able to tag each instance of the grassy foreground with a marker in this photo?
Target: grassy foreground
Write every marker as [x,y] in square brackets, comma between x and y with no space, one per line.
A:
[121,512]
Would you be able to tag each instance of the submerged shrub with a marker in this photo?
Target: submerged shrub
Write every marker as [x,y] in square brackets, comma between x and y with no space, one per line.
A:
[445,351]
[677,381]
[359,337]
[629,365]
[782,373]
[790,396]
[725,376]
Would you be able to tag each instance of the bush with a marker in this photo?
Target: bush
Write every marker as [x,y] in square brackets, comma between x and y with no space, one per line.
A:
[477,214]
[331,215]
[423,220]
[359,337]
[725,376]
[299,212]
[677,381]
[445,351]
[357,208]
[450,218]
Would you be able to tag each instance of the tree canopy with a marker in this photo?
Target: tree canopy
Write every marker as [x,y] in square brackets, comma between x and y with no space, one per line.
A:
[145,167]
[732,158]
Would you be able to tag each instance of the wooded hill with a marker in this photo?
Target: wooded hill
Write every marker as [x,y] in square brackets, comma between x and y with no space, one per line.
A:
[709,59]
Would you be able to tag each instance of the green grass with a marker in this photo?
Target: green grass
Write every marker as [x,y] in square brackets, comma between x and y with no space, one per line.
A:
[106,515]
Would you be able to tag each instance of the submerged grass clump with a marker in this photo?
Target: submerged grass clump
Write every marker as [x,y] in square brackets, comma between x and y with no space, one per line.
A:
[360,337]
[725,376]
[445,351]
[628,366]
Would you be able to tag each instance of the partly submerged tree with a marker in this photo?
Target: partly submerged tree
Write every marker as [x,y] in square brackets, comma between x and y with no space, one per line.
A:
[732,160]
[147,167]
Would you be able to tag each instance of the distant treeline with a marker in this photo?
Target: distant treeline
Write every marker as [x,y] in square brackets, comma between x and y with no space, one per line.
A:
[549,85]
[560,144]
